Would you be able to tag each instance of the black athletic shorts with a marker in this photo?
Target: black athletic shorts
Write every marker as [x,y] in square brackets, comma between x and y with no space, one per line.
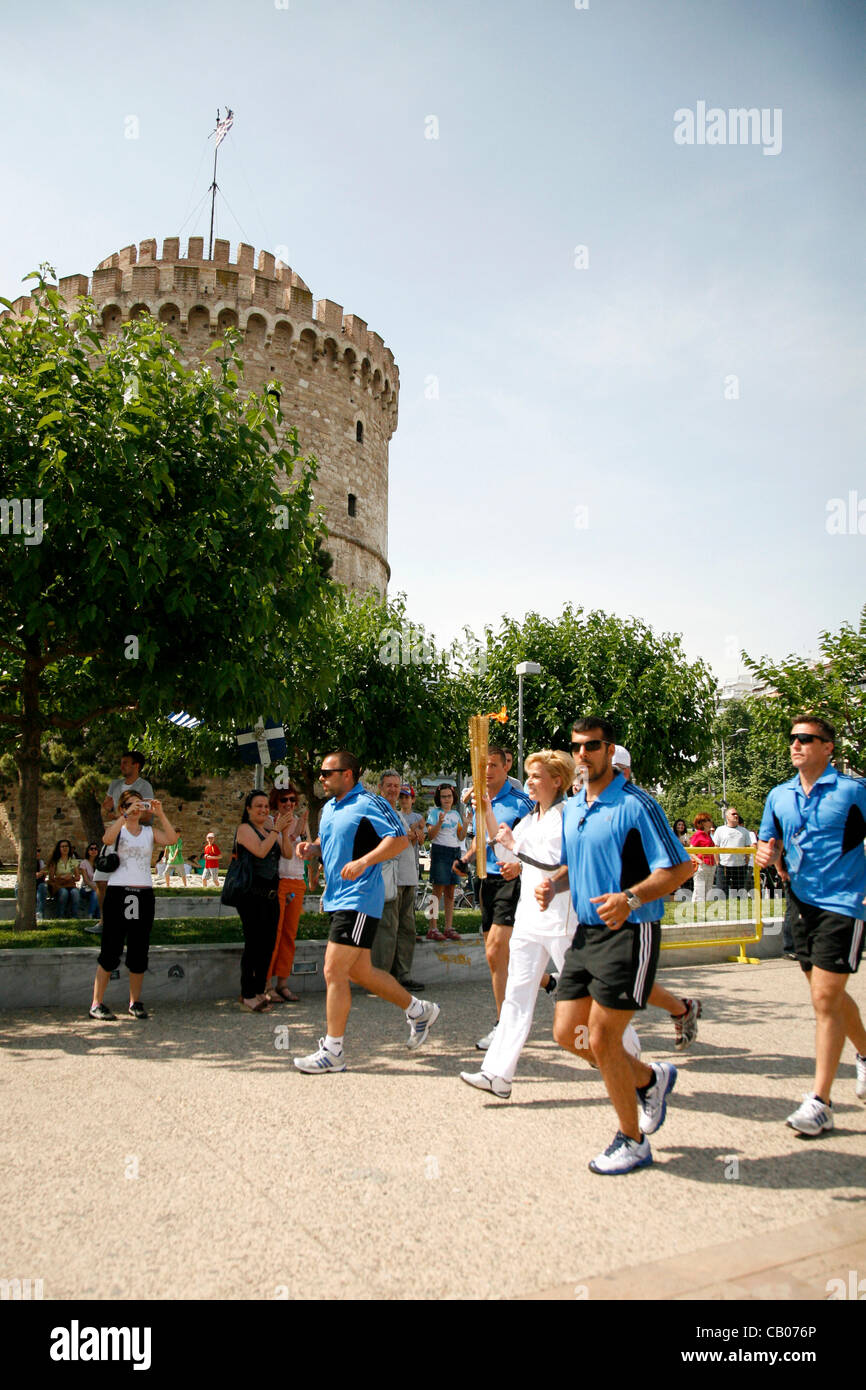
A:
[127,917]
[827,939]
[616,968]
[498,901]
[353,929]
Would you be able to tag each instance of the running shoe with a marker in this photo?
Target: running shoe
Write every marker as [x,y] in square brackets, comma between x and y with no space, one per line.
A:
[653,1101]
[138,1010]
[631,1041]
[487,1041]
[321,1061]
[622,1156]
[686,1026]
[434,935]
[812,1117]
[102,1012]
[495,1085]
[860,1084]
[419,1027]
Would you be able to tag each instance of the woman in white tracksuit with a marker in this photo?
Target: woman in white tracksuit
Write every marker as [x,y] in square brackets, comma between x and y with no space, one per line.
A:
[535,844]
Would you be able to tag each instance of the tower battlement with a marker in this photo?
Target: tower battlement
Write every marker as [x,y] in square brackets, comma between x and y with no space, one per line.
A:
[339,381]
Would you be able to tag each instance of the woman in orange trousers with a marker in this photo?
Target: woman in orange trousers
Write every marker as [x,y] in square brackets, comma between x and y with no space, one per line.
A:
[290,897]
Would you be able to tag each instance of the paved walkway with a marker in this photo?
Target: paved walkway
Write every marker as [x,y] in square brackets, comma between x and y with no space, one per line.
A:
[186,1158]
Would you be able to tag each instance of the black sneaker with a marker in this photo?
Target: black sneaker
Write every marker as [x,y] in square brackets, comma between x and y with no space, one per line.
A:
[101,1012]
[138,1010]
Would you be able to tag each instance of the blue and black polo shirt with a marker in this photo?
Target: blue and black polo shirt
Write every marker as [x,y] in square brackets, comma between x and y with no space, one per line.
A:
[509,805]
[832,819]
[348,829]
[614,843]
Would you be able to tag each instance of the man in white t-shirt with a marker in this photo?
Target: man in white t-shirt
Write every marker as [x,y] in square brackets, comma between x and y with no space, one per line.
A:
[129,780]
[734,867]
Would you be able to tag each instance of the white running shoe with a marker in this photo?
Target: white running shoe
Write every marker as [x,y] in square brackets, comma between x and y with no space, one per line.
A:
[631,1042]
[321,1061]
[651,1110]
[495,1085]
[812,1117]
[487,1041]
[860,1083]
[419,1027]
[622,1156]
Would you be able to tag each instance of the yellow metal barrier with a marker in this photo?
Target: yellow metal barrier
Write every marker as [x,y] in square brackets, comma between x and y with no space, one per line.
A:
[723,937]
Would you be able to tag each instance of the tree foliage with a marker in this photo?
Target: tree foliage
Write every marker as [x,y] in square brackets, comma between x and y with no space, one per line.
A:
[660,704]
[167,564]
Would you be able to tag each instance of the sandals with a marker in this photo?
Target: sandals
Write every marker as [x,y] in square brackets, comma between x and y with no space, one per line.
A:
[285,994]
[262,1007]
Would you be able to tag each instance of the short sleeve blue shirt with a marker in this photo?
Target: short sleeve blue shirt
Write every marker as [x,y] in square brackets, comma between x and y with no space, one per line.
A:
[509,806]
[348,829]
[612,844]
[831,822]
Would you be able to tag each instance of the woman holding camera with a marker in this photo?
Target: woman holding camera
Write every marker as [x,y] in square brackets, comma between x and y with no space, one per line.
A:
[127,909]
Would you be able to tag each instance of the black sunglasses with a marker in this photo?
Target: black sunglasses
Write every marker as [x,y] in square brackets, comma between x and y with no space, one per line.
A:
[591,745]
[329,771]
[806,738]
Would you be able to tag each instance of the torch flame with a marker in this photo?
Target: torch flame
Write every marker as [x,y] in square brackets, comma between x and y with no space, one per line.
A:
[501,717]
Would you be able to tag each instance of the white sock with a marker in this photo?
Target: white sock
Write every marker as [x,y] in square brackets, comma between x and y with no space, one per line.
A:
[415,1009]
[334,1045]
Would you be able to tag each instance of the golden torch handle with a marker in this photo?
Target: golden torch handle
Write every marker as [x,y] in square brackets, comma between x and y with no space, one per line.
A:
[479,729]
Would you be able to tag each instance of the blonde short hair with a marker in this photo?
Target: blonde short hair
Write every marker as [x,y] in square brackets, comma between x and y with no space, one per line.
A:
[560,765]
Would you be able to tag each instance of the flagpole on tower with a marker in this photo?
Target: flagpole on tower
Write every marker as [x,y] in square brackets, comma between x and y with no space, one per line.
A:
[222,129]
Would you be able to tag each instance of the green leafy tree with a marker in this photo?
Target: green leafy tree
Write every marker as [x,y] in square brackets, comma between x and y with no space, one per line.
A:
[149,561]
[834,687]
[661,705]
[375,684]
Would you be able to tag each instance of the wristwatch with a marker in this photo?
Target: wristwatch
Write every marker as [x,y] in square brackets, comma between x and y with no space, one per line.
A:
[633,900]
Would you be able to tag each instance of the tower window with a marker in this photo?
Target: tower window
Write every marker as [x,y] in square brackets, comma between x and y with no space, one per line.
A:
[359,432]
[353,504]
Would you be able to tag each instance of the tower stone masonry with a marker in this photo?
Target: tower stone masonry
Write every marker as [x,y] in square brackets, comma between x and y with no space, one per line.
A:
[338,381]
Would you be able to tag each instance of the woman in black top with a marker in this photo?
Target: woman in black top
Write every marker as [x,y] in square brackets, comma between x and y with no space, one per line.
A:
[259,909]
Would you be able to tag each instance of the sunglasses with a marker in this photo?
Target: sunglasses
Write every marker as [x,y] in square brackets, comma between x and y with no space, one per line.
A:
[329,771]
[807,738]
[591,745]
[287,798]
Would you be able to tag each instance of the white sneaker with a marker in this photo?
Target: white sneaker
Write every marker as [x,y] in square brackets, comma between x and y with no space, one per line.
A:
[860,1083]
[419,1027]
[651,1110]
[321,1061]
[487,1041]
[631,1042]
[495,1085]
[622,1156]
[812,1117]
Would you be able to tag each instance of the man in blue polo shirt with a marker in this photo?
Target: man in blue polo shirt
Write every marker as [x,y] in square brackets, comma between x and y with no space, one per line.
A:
[358,832]
[620,860]
[819,819]
[500,891]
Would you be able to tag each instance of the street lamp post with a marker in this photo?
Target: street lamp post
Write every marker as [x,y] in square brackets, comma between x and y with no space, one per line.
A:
[525,668]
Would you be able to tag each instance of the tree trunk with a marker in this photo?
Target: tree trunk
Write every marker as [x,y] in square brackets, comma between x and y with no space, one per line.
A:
[29,759]
[91,817]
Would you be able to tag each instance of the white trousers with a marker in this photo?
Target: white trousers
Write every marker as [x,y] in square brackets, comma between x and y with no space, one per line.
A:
[527,962]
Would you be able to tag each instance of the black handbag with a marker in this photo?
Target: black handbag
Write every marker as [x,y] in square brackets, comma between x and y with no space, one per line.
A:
[239,877]
[107,860]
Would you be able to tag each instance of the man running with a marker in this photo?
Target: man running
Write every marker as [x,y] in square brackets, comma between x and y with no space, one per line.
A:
[357,833]
[819,819]
[684,1012]
[621,859]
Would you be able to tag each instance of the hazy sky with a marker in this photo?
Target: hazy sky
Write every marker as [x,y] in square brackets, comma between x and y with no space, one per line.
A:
[657,430]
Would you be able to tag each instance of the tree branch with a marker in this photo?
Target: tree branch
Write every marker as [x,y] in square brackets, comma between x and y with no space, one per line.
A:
[55,721]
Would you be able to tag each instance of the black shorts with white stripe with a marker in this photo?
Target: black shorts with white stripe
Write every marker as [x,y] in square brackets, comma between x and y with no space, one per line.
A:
[616,968]
[353,929]
[829,940]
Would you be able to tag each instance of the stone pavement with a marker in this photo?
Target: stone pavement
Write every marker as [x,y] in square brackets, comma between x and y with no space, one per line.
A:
[186,1158]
